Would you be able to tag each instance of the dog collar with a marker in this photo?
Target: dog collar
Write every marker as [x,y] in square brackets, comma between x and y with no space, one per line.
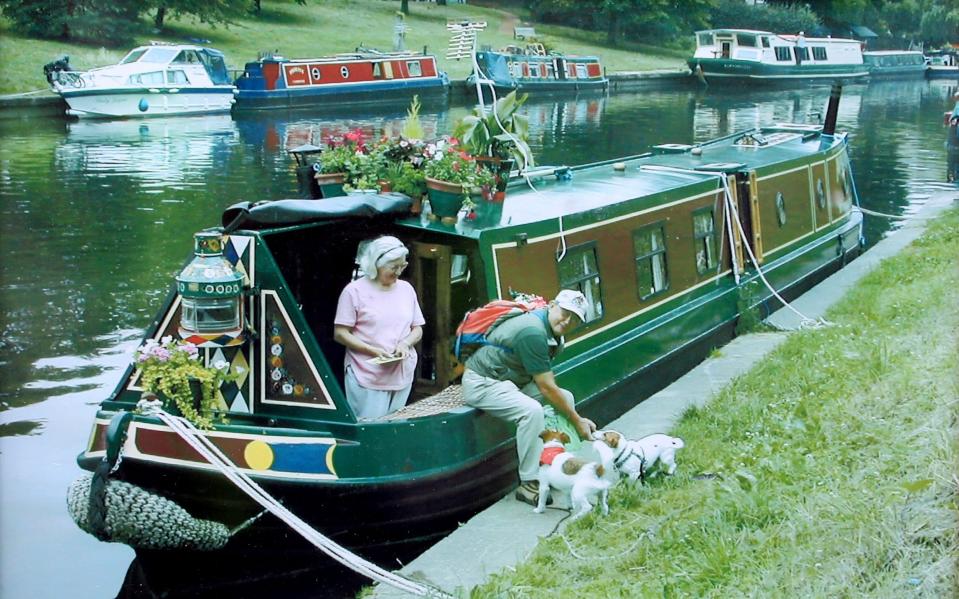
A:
[549,454]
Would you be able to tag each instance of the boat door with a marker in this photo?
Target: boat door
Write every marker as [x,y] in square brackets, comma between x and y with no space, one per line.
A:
[561,68]
[430,275]
[725,48]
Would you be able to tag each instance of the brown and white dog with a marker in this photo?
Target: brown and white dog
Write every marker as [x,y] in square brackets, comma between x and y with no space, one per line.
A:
[636,459]
[580,479]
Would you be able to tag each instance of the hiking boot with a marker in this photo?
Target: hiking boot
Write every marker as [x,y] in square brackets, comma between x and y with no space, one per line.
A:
[528,492]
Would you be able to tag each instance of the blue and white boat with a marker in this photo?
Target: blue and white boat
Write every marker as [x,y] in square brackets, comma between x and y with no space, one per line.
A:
[154,80]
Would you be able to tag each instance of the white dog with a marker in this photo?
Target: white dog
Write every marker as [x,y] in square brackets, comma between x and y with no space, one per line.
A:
[637,459]
[565,472]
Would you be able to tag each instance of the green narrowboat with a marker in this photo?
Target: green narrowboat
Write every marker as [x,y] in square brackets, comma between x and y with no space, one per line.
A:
[659,243]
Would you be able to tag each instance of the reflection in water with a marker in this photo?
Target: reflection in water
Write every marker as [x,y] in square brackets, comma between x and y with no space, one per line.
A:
[98,216]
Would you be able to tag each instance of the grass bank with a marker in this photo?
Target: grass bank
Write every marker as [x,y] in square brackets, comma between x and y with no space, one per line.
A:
[829,470]
[319,28]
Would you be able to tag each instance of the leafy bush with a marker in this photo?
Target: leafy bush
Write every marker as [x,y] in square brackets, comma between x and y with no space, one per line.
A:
[790,18]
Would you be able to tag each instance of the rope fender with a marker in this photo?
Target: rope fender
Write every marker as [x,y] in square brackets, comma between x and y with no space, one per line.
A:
[142,519]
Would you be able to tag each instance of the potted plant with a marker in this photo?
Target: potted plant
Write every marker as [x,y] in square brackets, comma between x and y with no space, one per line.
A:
[405,178]
[498,138]
[452,177]
[172,370]
[335,162]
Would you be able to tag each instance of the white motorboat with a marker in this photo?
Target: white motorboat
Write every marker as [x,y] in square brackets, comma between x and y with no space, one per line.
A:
[154,80]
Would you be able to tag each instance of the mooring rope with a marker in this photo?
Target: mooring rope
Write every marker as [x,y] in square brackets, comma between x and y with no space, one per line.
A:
[202,445]
[805,321]
[892,216]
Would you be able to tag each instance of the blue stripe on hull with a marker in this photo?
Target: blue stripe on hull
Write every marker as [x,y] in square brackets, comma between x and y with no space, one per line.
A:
[357,93]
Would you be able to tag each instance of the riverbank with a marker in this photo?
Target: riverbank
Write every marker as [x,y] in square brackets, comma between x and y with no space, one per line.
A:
[817,463]
[46,103]
[324,28]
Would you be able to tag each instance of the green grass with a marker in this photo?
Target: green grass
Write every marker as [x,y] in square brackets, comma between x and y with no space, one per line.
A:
[829,470]
[321,28]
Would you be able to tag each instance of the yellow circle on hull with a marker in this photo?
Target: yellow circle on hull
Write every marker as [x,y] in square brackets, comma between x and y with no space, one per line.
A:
[258,455]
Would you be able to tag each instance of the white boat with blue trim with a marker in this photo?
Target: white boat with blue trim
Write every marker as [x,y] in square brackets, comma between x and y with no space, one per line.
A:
[153,80]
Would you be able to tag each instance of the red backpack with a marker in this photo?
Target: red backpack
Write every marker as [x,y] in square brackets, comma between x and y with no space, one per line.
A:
[472,332]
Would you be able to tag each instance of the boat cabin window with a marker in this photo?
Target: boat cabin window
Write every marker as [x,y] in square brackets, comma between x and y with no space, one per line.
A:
[746,39]
[819,53]
[151,78]
[765,42]
[704,234]
[783,53]
[210,315]
[133,56]
[158,55]
[802,53]
[176,77]
[581,72]
[579,270]
[414,68]
[649,250]
[459,268]
[705,39]
[187,57]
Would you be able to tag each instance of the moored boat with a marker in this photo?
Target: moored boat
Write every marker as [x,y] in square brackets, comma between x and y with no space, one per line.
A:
[942,64]
[531,68]
[155,80]
[888,64]
[364,76]
[657,243]
[751,55]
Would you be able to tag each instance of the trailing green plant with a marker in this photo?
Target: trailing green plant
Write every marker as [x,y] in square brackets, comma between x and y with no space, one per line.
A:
[167,367]
[501,133]
[406,178]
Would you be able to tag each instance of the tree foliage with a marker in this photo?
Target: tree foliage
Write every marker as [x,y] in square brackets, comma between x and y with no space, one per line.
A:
[633,20]
[790,18]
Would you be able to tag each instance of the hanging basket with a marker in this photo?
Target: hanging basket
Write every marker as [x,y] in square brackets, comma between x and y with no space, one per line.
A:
[331,184]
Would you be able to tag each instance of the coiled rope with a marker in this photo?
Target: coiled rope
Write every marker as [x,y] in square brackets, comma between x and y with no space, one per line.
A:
[202,445]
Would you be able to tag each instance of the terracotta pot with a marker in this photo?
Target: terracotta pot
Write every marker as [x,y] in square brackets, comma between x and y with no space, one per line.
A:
[385,186]
[331,184]
[500,167]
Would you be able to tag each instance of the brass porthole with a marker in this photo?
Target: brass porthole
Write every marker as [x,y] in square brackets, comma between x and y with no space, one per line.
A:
[781,208]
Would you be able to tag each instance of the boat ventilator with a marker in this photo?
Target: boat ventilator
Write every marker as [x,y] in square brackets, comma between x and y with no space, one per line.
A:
[202,445]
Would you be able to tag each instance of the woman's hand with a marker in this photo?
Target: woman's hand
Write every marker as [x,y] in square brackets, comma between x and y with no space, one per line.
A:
[379,352]
[402,349]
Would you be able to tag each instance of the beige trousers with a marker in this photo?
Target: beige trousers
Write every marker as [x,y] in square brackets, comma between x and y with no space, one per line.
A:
[523,407]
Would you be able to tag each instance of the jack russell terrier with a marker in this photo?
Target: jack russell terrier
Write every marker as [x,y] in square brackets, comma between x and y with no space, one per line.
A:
[563,471]
[635,459]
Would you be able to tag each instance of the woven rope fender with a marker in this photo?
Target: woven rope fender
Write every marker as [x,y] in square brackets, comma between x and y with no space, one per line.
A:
[143,520]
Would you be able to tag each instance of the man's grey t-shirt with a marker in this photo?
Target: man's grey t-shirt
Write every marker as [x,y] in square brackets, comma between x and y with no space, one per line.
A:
[529,344]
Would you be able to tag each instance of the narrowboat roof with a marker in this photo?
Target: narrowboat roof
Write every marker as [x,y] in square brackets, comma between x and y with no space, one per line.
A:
[786,36]
[549,194]
[361,54]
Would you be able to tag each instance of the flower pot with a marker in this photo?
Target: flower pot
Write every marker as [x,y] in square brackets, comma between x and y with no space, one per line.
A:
[331,184]
[446,199]
[500,167]
[385,186]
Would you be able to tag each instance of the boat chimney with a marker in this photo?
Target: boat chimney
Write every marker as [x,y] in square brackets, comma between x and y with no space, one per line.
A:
[832,111]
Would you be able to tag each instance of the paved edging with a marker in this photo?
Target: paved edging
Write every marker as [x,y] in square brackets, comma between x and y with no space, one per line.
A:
[504,534]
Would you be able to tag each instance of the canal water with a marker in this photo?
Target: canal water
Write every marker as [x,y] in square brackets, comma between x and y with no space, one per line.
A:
[98,216]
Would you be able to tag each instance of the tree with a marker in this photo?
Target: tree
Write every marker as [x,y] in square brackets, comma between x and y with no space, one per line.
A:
[212,12]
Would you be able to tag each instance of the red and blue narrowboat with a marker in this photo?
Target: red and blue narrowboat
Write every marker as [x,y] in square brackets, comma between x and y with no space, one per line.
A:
[364,76]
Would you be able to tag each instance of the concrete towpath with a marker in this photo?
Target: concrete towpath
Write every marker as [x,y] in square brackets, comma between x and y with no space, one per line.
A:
[507,532]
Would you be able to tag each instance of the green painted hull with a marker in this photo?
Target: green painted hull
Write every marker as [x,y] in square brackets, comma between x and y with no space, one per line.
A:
[739,70]
[412,477]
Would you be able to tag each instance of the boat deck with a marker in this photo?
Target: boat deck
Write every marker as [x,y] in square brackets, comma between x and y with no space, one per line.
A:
[446,400]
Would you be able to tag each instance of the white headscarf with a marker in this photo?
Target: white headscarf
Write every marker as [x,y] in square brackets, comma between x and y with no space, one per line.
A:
[380,251]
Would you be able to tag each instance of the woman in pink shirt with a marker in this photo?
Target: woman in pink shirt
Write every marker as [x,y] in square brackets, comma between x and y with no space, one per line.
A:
[379,320]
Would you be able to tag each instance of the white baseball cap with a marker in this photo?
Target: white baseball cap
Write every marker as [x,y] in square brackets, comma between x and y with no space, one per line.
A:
[574,301]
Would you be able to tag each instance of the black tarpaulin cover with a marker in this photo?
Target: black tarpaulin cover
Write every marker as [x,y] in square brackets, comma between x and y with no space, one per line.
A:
[278,213]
